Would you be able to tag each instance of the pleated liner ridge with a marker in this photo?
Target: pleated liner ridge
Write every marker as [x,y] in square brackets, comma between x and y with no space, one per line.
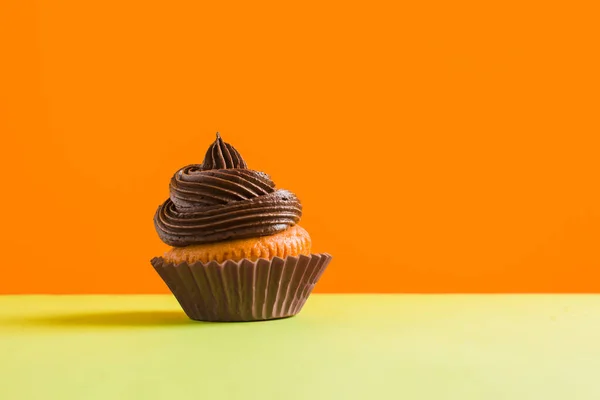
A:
[244,290]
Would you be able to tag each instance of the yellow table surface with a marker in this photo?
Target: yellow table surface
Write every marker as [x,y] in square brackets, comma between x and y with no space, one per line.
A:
[340,347]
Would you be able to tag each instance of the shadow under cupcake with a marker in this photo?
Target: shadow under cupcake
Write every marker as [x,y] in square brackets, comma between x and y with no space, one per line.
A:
[238,252]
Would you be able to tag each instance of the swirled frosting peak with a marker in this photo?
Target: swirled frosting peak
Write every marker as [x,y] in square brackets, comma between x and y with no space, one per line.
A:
[221,155]
[221,199]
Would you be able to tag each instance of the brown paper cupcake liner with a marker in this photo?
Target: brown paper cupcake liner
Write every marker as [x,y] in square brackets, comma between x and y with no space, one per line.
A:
[243,290]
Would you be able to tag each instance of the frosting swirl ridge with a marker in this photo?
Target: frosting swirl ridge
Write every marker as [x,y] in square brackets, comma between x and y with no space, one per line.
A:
[221,155]
[221,199]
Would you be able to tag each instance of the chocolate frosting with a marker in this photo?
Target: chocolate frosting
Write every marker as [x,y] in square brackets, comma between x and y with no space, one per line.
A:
[221,199]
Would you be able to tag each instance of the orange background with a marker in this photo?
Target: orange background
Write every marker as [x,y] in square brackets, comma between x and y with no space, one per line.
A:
[436,146]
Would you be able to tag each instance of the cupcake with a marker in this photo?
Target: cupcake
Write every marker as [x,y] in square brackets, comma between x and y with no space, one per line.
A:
[238,253]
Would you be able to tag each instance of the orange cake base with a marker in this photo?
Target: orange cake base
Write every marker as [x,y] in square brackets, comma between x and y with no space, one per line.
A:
[291,242]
